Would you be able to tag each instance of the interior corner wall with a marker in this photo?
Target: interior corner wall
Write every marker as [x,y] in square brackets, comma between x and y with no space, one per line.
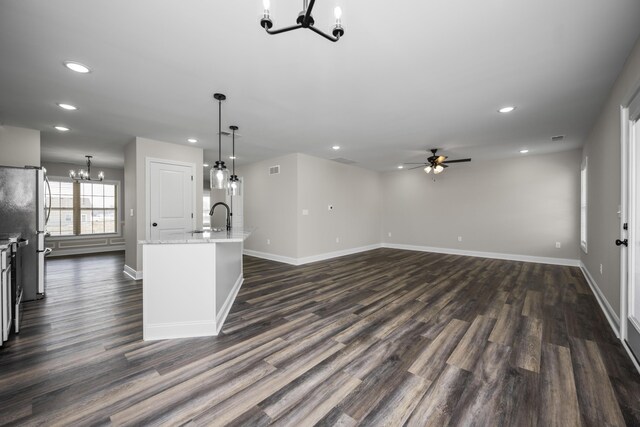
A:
[353,192]
[19,146]
[270,206]
[603,149]
[130,225]
[520,206]
[135,172]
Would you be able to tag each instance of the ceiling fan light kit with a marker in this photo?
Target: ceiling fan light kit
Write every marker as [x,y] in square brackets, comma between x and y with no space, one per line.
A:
[435,163]
[304,20]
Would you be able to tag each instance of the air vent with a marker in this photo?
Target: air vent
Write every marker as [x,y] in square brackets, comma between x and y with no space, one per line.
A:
[557,138]
[274,170]
[344,161]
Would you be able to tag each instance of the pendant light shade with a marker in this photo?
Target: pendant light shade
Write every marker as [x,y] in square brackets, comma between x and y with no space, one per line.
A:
[234,183]
[219,174]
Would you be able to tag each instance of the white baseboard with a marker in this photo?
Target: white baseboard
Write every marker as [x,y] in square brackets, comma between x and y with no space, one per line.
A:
[494,255]
[87,250]
[271,257]
[135,275]
[162,331]
[336,254]
[224,311]
[312,258]
[608,311]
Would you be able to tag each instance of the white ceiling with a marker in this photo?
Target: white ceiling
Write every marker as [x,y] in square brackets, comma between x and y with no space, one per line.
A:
[407,75]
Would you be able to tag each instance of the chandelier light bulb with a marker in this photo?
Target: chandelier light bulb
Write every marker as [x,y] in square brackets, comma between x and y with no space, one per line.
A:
[427,169]
[266,4]
[438,169]
[337,12]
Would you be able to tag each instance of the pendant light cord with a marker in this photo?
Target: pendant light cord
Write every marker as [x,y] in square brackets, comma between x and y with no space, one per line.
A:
[219,130]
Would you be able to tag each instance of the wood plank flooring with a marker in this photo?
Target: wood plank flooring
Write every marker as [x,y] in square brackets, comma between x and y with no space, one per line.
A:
[385,337]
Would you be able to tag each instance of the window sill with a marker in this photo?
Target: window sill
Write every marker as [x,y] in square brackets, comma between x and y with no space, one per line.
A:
[83,237]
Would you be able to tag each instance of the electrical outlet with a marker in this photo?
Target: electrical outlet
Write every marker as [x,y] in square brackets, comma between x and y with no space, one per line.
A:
[130,212]
[268,241]
[459,238]
[330,207]
[558,245]
[601,269]
[305,211]
[389,234]
[337,240]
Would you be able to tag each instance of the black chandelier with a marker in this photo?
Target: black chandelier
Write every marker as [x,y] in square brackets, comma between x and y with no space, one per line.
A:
[305,20]
[85,175]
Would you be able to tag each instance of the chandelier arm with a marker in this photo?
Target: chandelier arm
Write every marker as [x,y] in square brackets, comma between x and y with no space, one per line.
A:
[283,30]
[326,36]
[307,14]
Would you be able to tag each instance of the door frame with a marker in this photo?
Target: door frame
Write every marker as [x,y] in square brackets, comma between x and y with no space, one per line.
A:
[629,114]
[147,190]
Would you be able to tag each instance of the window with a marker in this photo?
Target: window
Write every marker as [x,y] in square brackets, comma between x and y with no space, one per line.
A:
[82,208]
[583,205]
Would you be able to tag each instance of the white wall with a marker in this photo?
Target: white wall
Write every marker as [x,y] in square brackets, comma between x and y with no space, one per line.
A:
[518,206]
[603,149]
[135,170]
[270,205]
[88,244]
[19,146]
[355,195]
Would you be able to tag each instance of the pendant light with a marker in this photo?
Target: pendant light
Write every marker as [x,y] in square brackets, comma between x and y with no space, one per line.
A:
[234,182]
[219,175]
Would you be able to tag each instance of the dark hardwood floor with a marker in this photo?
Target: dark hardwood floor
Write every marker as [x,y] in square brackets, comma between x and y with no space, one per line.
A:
[386,337]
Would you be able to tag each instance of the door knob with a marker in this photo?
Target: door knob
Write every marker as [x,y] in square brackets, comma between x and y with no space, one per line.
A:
[622,242]
[155,224]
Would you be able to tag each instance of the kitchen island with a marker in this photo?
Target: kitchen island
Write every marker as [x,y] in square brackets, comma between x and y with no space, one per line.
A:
[190,282]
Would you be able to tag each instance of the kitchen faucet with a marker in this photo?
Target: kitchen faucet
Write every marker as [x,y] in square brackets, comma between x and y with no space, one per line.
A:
[213,208]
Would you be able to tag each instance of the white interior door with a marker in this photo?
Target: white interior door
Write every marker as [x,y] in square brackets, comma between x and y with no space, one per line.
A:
[171,199]
[633,284]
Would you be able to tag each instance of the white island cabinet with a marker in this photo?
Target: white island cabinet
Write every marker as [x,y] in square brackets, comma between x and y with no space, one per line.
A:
[190,282]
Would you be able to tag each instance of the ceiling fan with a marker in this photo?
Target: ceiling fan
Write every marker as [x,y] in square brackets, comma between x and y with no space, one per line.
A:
[436,163]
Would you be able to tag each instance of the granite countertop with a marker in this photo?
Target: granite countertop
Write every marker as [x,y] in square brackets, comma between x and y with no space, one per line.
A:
[234,235]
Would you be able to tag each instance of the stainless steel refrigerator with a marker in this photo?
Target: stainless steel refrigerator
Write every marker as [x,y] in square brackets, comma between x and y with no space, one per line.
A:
[22,210]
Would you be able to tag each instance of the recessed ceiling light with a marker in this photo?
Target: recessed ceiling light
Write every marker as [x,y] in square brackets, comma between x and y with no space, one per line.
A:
[232,157]
[61,128]
[400,167]
[525,151]
[206,165]
[77,67]
[192,140]
[67,106]
[506,109]
[336,147]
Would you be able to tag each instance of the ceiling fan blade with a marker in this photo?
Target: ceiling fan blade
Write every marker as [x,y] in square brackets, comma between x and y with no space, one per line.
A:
[458,161]
[441,159]
[416,167]
[423,163]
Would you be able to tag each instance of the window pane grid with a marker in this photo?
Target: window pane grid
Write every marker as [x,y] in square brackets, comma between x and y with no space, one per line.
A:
[94,209]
